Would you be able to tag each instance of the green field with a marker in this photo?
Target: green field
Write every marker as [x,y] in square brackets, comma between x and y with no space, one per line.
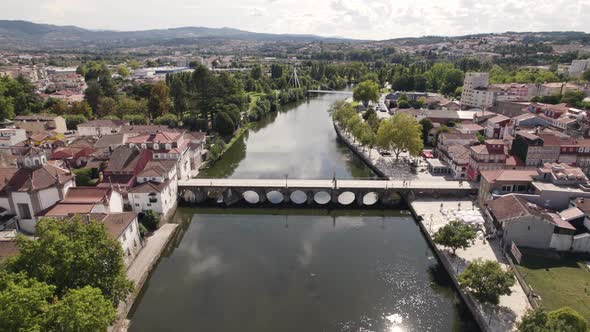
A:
[559,281]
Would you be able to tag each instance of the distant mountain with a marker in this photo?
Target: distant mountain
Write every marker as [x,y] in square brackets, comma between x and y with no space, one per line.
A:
[28,35]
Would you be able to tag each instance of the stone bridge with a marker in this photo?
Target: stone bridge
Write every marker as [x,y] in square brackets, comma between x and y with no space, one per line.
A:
[343,192]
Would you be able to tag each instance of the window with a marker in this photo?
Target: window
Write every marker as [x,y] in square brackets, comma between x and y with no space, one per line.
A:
[148,204]
[128,252]
[134,244]
[124,237]
[24,211]
[143,146]
[168,147]
[156,146]
[136,204]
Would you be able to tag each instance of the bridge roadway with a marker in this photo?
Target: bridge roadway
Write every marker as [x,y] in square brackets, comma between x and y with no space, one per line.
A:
[328,184]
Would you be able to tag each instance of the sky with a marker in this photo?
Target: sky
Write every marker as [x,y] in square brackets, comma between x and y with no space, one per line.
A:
[360,19]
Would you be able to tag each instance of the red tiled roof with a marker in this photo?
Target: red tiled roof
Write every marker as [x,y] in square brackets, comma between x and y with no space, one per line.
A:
[87,195]
[148,187]
[36,179]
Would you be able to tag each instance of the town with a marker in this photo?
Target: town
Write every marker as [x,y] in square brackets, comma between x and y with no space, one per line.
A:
[483,141]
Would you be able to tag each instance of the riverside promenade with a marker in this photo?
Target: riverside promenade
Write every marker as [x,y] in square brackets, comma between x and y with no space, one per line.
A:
[512,307]
[140,269]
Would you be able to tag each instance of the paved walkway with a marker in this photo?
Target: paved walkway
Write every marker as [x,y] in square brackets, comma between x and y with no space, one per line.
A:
[512,307]
[140,270]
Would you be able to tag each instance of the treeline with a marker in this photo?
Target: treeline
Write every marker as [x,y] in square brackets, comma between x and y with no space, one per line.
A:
[17,97]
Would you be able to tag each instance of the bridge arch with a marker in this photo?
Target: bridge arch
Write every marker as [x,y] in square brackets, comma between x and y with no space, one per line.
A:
[298,197]
[251,197]
[275,196]
[346,198]
[370,198]
[322,197]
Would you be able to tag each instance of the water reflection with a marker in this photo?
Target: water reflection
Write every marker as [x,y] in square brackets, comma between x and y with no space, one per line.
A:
[299,141]
[297,273]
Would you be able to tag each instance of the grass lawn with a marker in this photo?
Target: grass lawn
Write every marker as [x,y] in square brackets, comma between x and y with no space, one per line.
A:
[559,282]
[253,98]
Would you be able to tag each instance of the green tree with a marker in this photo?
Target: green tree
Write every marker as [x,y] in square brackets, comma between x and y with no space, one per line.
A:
[586,75]
[452,79]
[159,101]
[6,108]
[170,120]
[127,105]
[256,72]
[216,149]
[407,135]
[134,64]
[56,106]
[385,135]
[92,94]
[81,108]
[24,302]
[573,98]
[106,106]
[455,235]
[123,71]
[563,319]
[150,220]
[224,124]
[73,120]
[365,92]
[73,254]
[486,281]
[136,119]
[83,309]
[426,127]
[84,177]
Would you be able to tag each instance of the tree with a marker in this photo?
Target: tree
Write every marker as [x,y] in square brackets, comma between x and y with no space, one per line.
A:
[365,92]
[136,119]
[586,75]
[83,309]
[73,120]
[480,137]
[385,135]
[563,319]
[81,108]
[123,71]
[426,127]
[170,120]
[73,254]
[24,302]
[106,106]
[455,235]
[486,281]
[216,149]
[6,108]
[56,106]
[159,101]
[134,64]
[150,220]
[407,135]
[92,94]
[256,72]
[224,124]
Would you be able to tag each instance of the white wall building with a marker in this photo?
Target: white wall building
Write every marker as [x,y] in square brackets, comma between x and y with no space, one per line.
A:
[11,136]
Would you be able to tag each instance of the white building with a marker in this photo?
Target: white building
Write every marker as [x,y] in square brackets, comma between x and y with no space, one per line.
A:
[578,67]
[34,187]
[11,136]
[157,189]
[101,127]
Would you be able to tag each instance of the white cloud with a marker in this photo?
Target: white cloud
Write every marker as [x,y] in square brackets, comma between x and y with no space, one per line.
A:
[370,19]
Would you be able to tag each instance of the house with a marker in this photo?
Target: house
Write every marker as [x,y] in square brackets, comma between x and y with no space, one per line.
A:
[86,200]
[101,127]
[488,156]
[156,188]
[169,146]
[539,147]
[457,157]
[527,224]
[469,128]
[499,182]
[34,187]
[124,165]
[41,123]
[106,144]
[494,127]
[73,156]
[11,136]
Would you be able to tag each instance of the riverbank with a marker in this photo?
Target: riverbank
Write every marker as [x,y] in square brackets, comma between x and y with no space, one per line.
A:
[139,271]
[430,217]
[365,158]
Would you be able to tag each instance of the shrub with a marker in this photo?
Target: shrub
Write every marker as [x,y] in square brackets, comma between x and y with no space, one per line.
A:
[150,220]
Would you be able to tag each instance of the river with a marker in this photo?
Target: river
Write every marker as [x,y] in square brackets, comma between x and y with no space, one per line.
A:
[297,270]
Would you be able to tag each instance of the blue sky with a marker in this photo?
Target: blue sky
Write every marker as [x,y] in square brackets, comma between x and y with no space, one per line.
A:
[366,19]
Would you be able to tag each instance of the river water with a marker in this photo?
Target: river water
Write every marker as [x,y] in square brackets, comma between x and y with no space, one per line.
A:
[297,270]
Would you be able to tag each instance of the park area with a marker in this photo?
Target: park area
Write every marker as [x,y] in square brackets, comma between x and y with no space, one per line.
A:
[559,280]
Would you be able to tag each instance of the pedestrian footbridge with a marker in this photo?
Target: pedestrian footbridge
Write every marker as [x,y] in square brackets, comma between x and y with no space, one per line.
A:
[322,192]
